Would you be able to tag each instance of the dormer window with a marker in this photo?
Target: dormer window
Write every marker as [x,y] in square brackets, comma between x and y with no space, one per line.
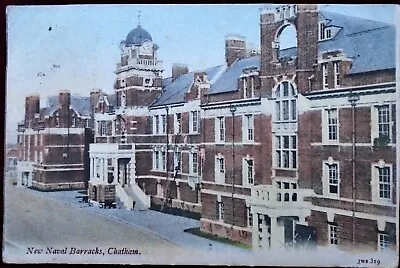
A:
[324,32]
[148,82]
[73,121]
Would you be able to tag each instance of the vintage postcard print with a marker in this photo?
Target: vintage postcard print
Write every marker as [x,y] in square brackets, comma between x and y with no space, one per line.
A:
[202,134]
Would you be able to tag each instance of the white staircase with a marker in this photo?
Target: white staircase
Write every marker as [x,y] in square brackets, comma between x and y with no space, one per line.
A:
[132,194]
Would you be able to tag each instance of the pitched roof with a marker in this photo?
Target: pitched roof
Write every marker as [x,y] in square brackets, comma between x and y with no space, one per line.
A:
[370,45]
[174,92]
[80,104]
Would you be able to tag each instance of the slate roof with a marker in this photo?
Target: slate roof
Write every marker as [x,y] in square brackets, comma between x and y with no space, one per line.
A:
[79,103]
[370,45]
[174,92]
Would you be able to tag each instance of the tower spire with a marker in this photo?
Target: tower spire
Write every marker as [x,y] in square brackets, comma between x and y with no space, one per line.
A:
[139,18]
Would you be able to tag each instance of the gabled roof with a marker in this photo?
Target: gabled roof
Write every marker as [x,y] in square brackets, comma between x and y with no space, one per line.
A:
[79,103]
[369,44]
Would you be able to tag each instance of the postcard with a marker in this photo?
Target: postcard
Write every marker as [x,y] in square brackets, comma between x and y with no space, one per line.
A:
[254,134]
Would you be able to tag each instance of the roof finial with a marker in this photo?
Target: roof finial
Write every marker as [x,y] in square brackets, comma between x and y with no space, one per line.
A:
[139,18]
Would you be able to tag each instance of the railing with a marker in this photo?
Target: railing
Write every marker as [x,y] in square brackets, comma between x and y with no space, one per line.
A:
[140,63]
[270,196]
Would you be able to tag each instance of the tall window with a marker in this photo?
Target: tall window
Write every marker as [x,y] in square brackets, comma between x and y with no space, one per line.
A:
[245,89]
[178,123]
[86,123]
[286,151]
[383,241]
[333,234]
[332,124]
[156,124]
[321,31]
[324,75]
[336,67]
[328,33]
[333,179]
[220,128]
[219,169]
[164,123]
[220,211]
[252,87]
[178,160]
[384,183]
[195,121]
[249,128]
[194,164]
[103,128]
[164,160]
[384,121]
[156,160]
[249,217]
[286,109]
[248,170]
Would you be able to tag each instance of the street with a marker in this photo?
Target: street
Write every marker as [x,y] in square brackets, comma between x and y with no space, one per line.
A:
[32,222]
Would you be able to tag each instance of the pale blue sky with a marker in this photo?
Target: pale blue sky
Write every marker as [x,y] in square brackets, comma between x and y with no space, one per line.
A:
[84,41]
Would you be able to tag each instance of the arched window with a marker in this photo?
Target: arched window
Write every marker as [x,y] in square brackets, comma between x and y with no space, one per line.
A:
[286,102]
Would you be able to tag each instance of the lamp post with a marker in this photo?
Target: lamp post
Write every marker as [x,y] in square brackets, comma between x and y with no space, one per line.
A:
[353,102]
[233,110]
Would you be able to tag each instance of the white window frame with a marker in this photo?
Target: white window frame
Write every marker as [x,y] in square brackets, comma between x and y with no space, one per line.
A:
[290,151]
[376,183]
[156,160]
[248,180]
[156,124]
[325,74]
[220,169]
[163,160]
[252,87]
[194,124]
[321,31]
[245,87]
[220,129]
[103,128]
[336,69]
[194,163]
[327,168]
[178,161]
[86,123]
[40,156]
[383,241]
[221,211]
[285,104]
[328,33]
[248,128]
[249,217]
[328,125]
[178,123]
[333,234]
[387,117]
[163,124]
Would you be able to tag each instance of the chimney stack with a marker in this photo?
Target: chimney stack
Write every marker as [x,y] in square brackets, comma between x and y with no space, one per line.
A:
[32,106]
[178,70]
[235,48]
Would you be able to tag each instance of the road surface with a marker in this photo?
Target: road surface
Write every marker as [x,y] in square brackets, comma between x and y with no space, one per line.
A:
[38,229]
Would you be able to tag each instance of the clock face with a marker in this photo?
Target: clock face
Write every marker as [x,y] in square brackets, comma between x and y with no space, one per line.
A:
[146,46]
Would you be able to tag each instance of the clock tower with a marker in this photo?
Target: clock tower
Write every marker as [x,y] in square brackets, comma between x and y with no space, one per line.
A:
[139,72]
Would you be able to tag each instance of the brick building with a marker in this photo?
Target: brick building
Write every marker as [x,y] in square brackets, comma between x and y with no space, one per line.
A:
[270,148]
[54,142]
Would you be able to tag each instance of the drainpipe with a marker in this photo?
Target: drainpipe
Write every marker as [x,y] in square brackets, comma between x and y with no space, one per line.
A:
[233,110]
[353,99]
[166,154]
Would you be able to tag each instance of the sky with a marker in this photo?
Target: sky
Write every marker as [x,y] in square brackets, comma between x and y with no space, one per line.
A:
[84,42]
